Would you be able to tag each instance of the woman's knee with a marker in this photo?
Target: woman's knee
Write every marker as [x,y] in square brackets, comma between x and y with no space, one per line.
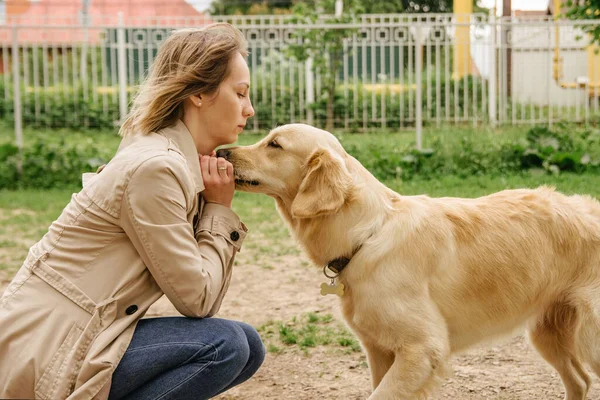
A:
[239,348]
[232,347]
[255,346]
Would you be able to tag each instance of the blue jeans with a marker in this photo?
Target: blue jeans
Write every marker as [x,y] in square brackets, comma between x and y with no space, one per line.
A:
[186,358]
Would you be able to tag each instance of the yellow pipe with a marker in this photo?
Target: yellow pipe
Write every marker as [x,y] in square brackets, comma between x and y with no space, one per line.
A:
[462,47]
[557,73]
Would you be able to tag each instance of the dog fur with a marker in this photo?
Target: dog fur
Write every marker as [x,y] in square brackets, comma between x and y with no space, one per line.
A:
[429,277]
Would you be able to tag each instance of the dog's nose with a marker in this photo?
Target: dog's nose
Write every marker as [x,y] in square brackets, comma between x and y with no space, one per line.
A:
[223,153]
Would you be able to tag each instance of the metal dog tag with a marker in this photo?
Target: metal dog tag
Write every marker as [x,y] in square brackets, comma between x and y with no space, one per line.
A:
[332,288]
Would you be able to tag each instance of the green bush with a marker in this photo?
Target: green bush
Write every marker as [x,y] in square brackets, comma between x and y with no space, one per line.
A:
[62,107]
[48,165]
[548,150]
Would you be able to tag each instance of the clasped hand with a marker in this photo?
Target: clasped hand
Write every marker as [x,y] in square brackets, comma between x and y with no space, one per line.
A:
[219,183]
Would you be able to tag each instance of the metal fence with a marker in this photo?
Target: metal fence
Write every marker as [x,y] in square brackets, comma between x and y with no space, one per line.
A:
[397,71]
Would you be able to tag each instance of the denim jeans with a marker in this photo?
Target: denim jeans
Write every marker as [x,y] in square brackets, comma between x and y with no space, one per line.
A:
[186,358]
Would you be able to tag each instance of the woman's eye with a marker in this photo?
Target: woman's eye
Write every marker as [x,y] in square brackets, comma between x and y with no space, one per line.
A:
[241,95]
[273,143]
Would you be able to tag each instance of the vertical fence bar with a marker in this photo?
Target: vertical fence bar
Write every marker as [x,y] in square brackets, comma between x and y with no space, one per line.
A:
[418,79]
[373,45]
[271,66]
[355,78]
[384,83]
[447,76]
[36,84]
[17,96]
[310,91]
[438,81]
[427,42]
[549,81]
[492,75]
[254,53]
[403,86]
[292,68]
[345,72]
[122,61]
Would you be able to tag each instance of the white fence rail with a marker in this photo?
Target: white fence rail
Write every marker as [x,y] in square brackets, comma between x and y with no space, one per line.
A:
[398,71]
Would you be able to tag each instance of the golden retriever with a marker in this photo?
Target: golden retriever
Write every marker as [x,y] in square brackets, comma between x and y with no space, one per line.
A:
[429,277]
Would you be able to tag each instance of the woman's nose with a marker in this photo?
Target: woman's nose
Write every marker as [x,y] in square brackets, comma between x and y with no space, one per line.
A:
[249,110]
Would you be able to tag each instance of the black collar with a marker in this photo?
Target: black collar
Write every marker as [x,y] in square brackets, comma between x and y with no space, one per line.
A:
[337,265]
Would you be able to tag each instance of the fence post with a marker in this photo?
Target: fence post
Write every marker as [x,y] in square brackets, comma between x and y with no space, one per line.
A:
[17,97]
[310,90]
[418,78]
[492,77]
[122,68]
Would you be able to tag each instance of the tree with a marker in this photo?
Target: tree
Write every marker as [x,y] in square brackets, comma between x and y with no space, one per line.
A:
[249,7]
[435,6]
[383,7]
[585,10]
[323,46]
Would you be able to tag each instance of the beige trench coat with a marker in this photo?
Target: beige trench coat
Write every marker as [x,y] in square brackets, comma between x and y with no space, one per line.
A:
[136,230]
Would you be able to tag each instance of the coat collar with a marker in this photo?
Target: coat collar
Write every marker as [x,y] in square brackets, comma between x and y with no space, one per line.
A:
[178,134]
[182,138]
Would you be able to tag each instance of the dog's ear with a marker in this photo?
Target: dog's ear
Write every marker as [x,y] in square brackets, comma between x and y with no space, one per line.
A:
[325,186]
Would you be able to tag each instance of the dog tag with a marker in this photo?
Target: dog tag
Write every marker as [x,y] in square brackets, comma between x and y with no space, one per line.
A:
[332,288]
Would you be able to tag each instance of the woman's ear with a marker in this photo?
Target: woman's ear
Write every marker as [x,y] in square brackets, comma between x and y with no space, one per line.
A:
[325,187]
[196,100]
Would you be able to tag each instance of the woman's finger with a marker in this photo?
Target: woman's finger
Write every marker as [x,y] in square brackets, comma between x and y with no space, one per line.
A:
[212,166]
[204,161]
[222,166]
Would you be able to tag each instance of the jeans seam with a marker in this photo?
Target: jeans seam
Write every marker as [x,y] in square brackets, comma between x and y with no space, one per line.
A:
[208,364]
[151,346]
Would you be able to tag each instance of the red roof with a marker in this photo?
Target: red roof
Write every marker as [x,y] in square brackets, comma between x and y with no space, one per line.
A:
[60,21]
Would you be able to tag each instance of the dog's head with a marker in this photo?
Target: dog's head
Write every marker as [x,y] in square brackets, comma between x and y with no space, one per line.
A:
[301,165]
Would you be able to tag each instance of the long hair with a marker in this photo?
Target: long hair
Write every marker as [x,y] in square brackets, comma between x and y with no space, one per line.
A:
[189,62]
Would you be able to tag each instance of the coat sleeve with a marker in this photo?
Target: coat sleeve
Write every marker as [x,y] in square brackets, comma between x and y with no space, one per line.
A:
[192,271]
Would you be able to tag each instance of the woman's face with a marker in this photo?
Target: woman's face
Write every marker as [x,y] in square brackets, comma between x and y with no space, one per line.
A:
[224,113]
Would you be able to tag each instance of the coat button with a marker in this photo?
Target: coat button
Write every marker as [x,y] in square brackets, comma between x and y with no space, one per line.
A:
[131,309]
[234,236]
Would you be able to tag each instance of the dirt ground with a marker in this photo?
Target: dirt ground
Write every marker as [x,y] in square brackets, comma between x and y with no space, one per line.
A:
[288,288]
[510,369]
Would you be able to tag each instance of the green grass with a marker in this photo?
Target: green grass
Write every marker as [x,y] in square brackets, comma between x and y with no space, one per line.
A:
[307,331]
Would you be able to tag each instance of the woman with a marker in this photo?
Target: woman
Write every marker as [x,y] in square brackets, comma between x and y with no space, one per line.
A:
[155,220]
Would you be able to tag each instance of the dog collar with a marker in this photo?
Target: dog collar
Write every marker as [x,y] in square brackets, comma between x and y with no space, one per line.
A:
[337,265]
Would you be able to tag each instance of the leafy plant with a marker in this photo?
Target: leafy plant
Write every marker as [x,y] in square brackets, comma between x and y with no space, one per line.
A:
[323,46]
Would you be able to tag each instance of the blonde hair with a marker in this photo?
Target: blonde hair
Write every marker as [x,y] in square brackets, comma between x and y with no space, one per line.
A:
[189,62]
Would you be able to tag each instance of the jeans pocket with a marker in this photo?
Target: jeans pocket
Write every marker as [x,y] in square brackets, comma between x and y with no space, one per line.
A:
[56,381]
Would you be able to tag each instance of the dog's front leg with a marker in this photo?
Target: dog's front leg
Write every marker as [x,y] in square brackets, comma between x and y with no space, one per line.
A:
[379,360]
[413,374]
[419,363]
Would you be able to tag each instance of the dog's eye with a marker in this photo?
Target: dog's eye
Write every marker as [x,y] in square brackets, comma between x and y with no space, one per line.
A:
[273,143]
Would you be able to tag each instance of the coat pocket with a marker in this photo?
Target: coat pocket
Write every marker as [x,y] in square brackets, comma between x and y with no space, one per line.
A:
[57,378]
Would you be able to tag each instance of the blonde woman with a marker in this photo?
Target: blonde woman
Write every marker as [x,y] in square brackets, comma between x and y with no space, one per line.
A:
[155,220]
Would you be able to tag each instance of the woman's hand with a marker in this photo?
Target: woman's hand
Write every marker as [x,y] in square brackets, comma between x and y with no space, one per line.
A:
[219,183]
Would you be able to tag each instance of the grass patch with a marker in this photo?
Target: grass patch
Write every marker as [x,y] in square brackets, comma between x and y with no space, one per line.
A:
[308,331]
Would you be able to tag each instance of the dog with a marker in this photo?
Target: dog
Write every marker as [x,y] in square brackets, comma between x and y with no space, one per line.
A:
[424,278]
